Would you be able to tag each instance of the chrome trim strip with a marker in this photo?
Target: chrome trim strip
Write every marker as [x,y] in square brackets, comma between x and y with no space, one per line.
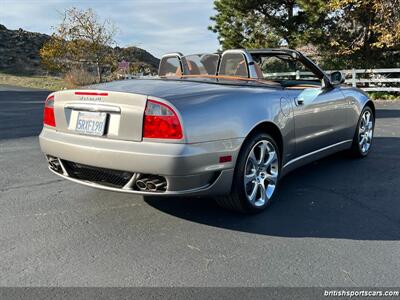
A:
[94,107]
[315,152]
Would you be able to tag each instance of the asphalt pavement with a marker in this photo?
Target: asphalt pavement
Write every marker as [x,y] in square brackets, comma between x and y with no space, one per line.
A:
[335,222]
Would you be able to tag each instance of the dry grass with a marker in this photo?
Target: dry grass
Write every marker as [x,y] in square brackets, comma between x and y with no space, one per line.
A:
[78,77]
[40,82]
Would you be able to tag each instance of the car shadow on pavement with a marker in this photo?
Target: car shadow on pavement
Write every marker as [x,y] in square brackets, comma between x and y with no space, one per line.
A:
[387,113]
[336,197]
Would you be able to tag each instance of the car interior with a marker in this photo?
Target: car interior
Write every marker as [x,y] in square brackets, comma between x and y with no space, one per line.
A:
[285,69]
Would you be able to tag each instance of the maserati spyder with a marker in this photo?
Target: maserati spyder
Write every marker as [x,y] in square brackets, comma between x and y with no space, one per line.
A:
[226,125]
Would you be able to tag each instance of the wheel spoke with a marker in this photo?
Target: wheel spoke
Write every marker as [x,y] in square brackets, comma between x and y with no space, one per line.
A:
[262,193]
[249,177]
[263,150]
[271,158]
[362,141]
[367,117]
[365,147]
[252,156]
[272,178]
[364,119]
[253,194]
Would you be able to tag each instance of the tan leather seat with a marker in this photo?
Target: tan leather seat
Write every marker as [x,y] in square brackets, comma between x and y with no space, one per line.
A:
[258,71]
[193,68]
[241,69]
[178,72]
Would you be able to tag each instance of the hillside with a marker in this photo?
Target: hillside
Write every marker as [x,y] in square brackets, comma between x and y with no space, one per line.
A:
[19,53]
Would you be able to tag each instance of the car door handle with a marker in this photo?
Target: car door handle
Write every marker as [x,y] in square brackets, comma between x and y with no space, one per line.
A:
[299,101]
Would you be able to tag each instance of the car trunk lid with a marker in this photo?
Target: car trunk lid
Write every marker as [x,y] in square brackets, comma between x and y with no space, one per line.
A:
[105,114]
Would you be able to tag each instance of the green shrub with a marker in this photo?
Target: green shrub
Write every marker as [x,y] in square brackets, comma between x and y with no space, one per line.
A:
[384,95]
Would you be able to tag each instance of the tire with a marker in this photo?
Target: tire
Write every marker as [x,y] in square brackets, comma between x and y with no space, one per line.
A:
[262,175]
[362,140]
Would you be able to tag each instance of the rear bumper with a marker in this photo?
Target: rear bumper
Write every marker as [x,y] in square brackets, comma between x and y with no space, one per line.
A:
[189,169]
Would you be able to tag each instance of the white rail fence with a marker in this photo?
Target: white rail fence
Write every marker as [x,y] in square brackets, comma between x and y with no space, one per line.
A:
[369,80]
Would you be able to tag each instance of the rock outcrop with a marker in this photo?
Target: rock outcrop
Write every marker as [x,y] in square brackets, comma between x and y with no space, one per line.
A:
[19,53]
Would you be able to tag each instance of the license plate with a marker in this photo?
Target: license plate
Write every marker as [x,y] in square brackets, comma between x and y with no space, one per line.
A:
[91,123]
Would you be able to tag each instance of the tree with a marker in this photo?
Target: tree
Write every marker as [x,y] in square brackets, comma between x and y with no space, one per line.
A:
[81,38]
[345,33]
[364,33]
[262,23]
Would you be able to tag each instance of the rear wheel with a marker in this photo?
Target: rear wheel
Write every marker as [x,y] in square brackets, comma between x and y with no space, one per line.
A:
[362,140]
[256,175]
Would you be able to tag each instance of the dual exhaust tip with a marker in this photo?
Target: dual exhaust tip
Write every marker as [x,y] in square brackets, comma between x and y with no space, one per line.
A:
[151,184]
[54,163]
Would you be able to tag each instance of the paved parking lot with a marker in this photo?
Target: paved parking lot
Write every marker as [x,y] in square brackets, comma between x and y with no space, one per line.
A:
[335,222]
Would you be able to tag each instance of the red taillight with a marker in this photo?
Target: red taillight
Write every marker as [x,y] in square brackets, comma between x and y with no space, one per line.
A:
[48,113]
[161,122]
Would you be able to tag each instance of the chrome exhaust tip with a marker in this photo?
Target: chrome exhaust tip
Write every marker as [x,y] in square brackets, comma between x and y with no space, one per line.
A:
[54,163]
[151,183]
[155,185]
[141,184]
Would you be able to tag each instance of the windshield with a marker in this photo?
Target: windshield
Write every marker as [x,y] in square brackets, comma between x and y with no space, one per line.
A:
[283,68]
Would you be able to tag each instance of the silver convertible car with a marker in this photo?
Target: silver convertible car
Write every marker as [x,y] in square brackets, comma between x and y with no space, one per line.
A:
[225,125]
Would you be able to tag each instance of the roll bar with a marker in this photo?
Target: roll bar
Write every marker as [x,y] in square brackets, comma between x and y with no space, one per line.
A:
[248,57]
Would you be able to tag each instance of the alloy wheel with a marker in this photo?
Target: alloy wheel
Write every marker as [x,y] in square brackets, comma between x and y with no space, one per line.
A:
[365,131]
[261,173]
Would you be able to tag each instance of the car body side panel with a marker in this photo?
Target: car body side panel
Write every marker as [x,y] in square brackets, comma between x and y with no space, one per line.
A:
[235,114]
[354,101]
[320,117]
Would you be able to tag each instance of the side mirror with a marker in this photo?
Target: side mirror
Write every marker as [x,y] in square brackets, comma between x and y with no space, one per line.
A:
[337,78]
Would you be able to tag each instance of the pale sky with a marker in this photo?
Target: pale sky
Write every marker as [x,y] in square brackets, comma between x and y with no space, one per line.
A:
[158,26]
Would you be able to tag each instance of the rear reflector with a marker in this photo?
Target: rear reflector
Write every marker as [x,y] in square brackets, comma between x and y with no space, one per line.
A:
[48,113]
[90,94]
[161,122]
[224,159]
